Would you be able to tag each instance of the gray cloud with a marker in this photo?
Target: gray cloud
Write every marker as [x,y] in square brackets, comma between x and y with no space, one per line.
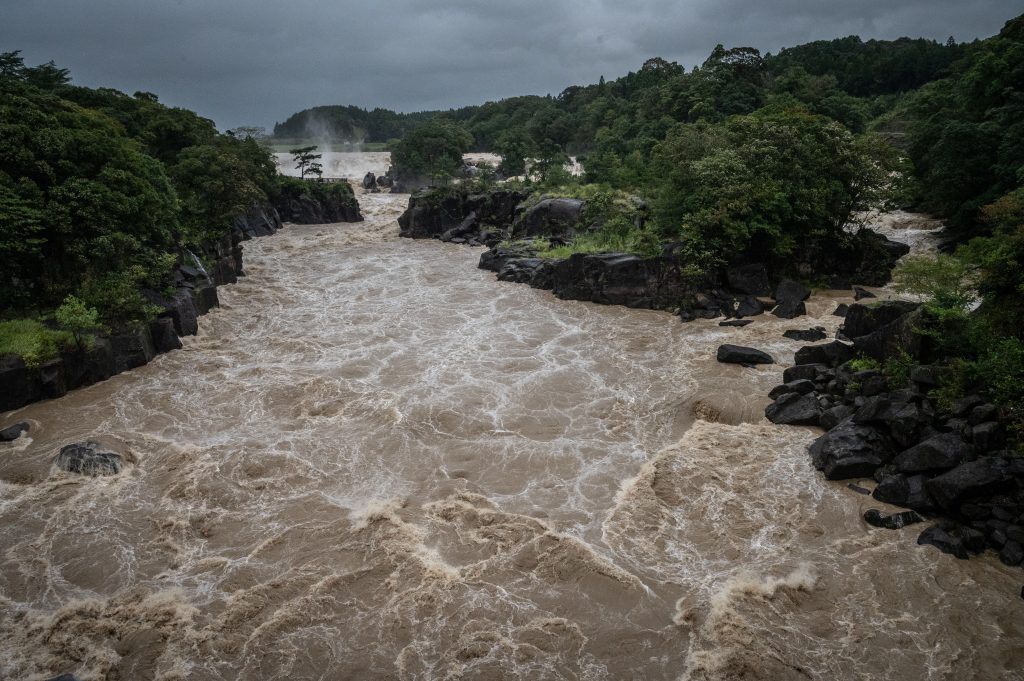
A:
[257,61]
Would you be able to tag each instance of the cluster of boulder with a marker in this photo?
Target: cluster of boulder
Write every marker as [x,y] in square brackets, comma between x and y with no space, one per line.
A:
[939,462]
[374,184]
[194,294]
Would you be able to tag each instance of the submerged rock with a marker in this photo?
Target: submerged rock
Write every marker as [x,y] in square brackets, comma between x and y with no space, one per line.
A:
[891,521]
[14,432]
[87,459]
[807,335]
[736,322]
[737,354]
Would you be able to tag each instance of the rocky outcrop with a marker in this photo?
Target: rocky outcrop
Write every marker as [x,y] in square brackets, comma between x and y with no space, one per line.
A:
[307,202]
[557,217]
[456,215]
[932,461]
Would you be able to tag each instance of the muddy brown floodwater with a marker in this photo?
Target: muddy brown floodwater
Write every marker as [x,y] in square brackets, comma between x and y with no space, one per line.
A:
[377,462]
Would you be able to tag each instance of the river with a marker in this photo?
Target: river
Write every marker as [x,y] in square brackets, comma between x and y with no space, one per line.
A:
[375,461]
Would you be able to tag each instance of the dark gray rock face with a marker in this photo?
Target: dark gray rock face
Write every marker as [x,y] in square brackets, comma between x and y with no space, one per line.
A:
[557,217]
[618,279]
[851,451]
[132,349]
[14,432]
[941,452]
[909,492]
[794,409]
[830,354]
[88,458]
[20,384]
[748,279]
[164,337]
[984,477]
[737,354]
[789,297]
[862,320]
[449,214]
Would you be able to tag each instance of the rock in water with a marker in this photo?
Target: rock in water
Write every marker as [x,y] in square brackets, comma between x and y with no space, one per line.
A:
[737,354]
[736,322]
[954,539]
[807,335]
[87,459]
[14,432]
[891,521]
[860,293]
[794,409]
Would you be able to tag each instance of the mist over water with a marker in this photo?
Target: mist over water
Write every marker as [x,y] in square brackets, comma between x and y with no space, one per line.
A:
[377,462]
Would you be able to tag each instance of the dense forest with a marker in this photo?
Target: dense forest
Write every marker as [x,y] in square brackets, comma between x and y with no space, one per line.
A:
[102,195]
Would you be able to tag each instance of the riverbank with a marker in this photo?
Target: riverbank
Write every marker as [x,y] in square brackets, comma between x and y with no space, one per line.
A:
[375,456]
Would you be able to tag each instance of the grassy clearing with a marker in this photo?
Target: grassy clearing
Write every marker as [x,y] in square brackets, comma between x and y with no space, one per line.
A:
[32,341]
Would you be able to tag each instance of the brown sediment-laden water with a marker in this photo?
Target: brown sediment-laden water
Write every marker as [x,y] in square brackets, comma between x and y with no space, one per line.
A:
[375,461]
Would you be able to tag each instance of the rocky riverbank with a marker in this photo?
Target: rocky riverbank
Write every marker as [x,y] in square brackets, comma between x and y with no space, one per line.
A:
[516,231]
[194,294]
[873,395]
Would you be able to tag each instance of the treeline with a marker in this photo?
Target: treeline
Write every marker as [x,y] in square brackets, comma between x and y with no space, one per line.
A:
[350,124]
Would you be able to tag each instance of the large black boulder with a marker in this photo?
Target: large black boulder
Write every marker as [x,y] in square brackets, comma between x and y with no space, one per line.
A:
[737,354]
[984,477]
[851,451]
[938,453]
[891,521]
[164,337]
[830,354]
[794,409]
[909,492]
[87,458]
[954,539]
[549,217]
[789,297]
[862,320]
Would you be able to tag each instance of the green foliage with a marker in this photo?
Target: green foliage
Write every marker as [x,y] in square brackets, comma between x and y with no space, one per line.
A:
[966,132]
[306,161]
[864,364]
[762,184]
[32,341]
[433,150]
[98,190]
[81,321]
[896,368]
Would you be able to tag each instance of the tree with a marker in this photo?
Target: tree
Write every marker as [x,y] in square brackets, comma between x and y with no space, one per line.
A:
[434,150]
[82,321]
[306,161]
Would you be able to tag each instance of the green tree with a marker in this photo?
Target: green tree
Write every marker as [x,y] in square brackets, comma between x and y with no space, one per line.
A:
[433,150]
[78,319]
[306,161]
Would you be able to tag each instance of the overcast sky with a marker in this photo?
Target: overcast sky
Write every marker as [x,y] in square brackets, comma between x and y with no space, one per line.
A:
[254,62]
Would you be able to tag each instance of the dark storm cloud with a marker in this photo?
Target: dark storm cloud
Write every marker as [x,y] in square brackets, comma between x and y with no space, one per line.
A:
[256,61]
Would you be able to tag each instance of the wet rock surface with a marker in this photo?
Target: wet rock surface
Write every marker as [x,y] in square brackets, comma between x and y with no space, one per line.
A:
[88,458]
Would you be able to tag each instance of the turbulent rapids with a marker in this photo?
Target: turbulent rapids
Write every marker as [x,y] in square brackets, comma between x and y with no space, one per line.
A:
[377,462]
